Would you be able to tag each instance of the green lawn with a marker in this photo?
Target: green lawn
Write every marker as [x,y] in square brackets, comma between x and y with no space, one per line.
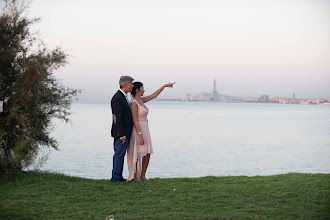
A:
[56,196]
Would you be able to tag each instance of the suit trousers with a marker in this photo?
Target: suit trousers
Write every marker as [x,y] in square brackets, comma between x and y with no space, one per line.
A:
[118,159]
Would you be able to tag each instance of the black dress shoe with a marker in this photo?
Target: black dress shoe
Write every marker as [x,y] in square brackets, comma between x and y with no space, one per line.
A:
[118,181]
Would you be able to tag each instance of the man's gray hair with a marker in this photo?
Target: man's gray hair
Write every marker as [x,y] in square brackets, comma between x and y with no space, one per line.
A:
[124,80]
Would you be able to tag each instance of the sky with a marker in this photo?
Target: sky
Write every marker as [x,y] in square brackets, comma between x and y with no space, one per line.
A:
[251,47]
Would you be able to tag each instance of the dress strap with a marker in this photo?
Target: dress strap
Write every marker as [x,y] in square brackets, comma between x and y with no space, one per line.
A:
[138,104]
[133,100]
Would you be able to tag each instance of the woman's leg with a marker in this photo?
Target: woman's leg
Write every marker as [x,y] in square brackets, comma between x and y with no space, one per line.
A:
[145,163]
[136,177]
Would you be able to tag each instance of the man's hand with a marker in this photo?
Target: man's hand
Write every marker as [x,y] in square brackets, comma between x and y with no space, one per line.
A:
[123,139]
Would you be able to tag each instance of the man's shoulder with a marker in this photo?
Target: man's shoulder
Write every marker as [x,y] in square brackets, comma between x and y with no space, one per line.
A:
[117,96]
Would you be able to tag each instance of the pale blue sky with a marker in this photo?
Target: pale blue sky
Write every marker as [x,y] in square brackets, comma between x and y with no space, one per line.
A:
[251,47]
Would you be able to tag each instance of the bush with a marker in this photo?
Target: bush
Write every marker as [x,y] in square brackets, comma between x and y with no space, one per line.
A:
[31,95]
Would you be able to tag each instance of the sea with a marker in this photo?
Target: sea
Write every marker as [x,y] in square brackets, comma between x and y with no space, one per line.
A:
[197,139]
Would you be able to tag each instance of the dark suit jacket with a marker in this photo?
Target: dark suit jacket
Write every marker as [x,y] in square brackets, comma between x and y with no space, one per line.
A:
[122,120]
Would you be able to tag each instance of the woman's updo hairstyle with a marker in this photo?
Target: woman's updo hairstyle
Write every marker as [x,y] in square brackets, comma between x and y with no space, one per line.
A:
[136,86]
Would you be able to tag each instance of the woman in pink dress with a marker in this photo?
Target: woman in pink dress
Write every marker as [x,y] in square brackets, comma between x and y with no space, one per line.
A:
[140,146]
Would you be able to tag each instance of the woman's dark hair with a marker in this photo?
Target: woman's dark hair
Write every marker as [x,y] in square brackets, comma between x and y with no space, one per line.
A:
[136,86]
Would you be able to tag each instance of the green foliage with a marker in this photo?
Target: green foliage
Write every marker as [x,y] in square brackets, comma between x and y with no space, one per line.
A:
[55,196]
[31,94]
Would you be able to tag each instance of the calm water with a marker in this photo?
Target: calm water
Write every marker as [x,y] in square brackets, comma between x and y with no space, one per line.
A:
[194,139]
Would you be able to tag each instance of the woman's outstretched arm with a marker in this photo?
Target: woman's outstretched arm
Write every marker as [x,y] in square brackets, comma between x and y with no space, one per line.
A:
[155,94]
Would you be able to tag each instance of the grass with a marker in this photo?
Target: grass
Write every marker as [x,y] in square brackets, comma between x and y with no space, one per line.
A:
[56,196]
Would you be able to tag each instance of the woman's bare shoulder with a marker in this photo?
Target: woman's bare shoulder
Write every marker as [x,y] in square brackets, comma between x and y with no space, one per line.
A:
[133,102]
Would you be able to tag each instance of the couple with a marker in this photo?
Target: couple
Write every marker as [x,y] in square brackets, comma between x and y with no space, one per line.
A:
[130,130]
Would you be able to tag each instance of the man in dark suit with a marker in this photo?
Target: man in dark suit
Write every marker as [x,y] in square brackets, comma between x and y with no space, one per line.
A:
[122,124]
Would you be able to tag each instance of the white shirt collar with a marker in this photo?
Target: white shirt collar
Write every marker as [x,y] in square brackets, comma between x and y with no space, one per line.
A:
[126,96]
[123,92]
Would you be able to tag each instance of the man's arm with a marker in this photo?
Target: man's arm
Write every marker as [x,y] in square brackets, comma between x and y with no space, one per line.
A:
[117,111]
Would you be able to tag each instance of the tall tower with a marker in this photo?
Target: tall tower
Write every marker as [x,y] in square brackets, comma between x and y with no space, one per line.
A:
[214,95]
[214,85]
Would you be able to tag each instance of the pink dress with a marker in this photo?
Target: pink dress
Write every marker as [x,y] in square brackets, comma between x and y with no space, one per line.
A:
[135,151]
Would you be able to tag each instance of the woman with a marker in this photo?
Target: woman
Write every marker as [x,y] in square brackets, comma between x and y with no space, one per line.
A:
[140,146]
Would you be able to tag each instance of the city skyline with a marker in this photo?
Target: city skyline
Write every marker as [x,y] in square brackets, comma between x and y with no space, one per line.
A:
[214,95]
[250,47]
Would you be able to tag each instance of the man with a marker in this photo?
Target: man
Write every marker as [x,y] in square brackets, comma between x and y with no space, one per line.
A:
[122,125]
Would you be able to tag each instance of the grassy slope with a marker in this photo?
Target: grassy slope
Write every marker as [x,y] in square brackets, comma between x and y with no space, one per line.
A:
[55,196]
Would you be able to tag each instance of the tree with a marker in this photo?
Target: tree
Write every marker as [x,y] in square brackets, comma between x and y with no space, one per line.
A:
[31,94]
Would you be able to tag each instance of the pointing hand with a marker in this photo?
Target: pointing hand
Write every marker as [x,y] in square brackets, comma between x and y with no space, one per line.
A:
[169,85]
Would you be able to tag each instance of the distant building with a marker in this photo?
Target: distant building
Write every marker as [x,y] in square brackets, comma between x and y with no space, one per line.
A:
[214,94]
[188,96]
[283,100]
[264,99]
[205,96]
[294,96]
